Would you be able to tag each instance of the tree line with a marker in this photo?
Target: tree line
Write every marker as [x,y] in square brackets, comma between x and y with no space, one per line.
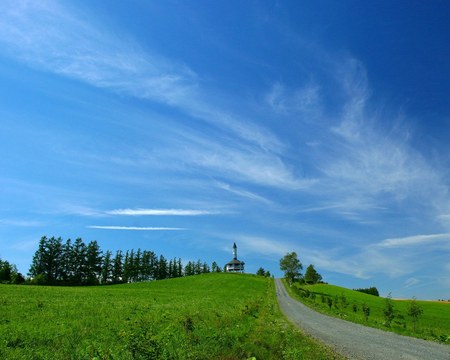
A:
[56,262]
[371,291]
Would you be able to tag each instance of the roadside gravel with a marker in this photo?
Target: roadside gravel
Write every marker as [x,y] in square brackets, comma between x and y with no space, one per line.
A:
[356,341]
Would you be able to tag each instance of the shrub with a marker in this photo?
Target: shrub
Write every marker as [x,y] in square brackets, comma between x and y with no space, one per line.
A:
[388,311]
[366,311]
[415,311]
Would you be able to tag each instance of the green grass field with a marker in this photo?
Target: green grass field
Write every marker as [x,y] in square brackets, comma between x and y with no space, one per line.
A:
[434,324]
[213,316]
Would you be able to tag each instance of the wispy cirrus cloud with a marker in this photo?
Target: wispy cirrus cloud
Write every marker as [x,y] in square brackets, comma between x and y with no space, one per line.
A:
[416,240]
[243,193]
[20,223]
[134,228]
[159,212]
[63,42]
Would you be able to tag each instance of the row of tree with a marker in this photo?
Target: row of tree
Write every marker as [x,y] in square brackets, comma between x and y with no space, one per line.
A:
[371,291]
[75,263]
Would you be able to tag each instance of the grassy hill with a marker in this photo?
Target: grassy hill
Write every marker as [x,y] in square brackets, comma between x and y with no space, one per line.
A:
[337,301]
[213,316]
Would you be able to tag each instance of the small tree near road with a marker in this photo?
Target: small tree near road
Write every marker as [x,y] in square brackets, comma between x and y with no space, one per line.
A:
[291,266]
[388,311]
[366,311]
[415,311]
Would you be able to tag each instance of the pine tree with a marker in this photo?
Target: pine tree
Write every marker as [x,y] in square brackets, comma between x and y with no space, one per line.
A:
[94,260]
[260,272]
[37,264]
[311,275]
[107,268]
[117,270]
[180,268]
[162,268]
[67,266]
[79,262]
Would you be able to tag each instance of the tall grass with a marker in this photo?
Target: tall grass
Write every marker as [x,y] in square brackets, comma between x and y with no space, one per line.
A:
[213,316]
[347,304]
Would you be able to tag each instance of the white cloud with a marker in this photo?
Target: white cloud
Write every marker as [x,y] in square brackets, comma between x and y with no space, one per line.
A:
[263,246]
[411,282]
[248,165]
[134,228]
[244,193]
[159,212]
[63,42]
[301,100]
[415,240]
[20,223]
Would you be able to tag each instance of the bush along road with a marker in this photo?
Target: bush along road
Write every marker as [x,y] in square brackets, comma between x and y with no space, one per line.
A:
[356,341]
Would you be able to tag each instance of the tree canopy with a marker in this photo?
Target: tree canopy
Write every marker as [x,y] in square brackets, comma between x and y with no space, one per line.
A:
[291,266]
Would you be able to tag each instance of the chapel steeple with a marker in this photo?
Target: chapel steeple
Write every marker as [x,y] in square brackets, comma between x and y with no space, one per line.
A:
[235,265]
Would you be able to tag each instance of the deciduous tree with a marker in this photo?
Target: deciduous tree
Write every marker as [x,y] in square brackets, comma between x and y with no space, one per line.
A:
[291,266]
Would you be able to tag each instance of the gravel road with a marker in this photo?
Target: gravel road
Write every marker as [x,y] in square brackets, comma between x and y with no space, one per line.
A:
[356,341]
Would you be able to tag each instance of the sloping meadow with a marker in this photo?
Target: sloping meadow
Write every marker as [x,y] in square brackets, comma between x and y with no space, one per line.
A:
[432,324]
[213,316]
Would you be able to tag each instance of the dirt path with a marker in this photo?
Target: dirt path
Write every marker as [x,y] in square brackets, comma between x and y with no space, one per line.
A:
[356,341]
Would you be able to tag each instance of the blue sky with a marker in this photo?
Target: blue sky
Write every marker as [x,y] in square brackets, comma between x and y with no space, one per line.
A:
[319,127]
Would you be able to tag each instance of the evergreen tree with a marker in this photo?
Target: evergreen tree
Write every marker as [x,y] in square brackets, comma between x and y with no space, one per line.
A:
[67,266]
[260,272]
[126,267]
[137,266]
[162,268]
[214,267]
[107,268]
[37,264]
[47,261]
[94,261]
[198,267]
[189,269]
[205,268]
[117,269]
[311,275]
[79,262]
[170,270]
[179,268]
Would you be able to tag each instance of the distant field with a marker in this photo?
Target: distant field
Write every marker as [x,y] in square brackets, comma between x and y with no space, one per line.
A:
[213,316]
[434,324]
